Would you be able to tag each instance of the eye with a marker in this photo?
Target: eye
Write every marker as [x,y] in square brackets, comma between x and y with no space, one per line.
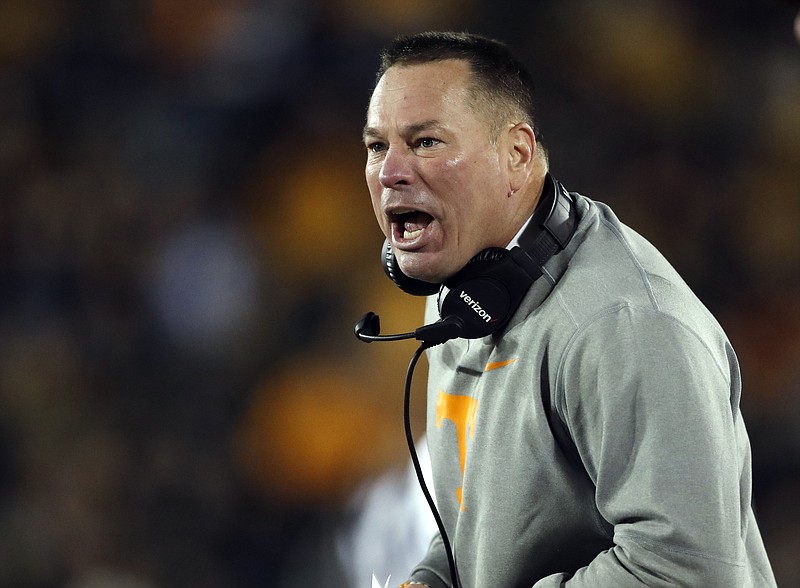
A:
[428,142]
[375,147]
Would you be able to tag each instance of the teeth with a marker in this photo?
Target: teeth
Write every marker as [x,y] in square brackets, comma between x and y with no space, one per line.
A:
[411,234]
[404,210]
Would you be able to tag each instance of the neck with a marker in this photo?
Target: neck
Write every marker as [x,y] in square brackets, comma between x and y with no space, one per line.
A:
[528,197]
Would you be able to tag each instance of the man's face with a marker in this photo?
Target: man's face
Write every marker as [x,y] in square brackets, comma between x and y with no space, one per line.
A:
[438,183]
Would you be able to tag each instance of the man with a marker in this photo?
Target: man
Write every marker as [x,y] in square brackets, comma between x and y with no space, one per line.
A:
[595,439]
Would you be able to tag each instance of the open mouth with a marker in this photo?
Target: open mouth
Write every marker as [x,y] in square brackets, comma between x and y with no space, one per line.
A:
[410,224]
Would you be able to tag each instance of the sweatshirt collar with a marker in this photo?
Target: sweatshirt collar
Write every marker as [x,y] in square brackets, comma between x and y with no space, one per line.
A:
[554,269]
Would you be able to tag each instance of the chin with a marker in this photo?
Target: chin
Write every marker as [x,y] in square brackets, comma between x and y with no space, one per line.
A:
[425,276]
[421,269]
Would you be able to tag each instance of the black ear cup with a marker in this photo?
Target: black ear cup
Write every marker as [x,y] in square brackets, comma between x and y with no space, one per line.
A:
[486,292]
[405,283]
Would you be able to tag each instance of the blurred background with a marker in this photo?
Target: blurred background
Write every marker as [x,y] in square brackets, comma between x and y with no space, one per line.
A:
[186,241]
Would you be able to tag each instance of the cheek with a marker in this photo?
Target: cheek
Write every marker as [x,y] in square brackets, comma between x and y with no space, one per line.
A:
[470,183]
[371,174]
[453,177]
[473,167]
[478,194]
[375,199]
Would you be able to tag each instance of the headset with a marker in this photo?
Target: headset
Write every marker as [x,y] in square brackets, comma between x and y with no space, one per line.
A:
[483,296]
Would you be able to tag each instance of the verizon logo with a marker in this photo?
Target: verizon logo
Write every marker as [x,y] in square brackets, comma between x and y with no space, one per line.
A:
[475,306]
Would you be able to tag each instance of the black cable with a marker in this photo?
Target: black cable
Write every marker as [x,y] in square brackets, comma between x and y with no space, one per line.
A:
[418,469]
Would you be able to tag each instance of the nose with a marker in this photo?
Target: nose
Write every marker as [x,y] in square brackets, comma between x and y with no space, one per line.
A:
[396,168]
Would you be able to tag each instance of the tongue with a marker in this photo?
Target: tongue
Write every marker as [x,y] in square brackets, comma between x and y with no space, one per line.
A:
[416,221]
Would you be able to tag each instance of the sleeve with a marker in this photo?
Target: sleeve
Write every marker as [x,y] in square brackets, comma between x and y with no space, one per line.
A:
[433,569]
[649,406]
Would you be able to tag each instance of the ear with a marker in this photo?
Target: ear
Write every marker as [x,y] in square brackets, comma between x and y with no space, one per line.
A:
[522,153]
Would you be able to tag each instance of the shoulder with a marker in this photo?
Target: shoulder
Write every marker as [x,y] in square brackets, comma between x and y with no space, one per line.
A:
[633,334]
[614,267]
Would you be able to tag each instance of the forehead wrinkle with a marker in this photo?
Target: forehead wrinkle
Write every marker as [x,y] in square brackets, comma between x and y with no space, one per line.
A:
[407,130]
[425,125]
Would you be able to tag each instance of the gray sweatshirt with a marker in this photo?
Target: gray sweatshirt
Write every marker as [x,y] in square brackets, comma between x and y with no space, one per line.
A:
[597,441]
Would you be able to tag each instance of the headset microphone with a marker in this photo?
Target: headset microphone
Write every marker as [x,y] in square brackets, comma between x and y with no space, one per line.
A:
[368,329]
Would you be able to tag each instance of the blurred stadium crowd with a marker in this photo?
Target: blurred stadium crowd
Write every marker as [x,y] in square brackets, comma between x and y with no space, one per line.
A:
[186,241]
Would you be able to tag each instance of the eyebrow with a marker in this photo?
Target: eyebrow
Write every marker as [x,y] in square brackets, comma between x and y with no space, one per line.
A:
[411,129]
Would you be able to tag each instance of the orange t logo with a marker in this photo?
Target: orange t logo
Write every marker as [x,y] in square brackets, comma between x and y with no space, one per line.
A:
[461,411]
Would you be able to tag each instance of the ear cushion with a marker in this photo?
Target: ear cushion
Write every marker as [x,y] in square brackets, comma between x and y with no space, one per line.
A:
[490,254]
[405,283]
